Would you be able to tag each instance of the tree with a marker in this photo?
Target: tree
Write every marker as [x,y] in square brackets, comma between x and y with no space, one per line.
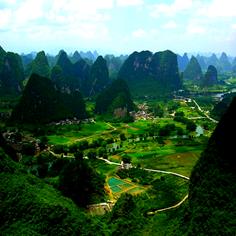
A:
[102,152]
[44,160]
[167,129]
[123,207]
[43,142]
[92,155]
[125,217]
[126,159]
[83,145]
[179,130]
[78,155]
[58,149]
[29,149]
[179,114]
[191,126]
[122,137]
[158,110]
[79,181]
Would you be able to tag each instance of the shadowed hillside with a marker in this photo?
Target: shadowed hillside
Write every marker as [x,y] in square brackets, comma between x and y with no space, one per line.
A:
[212,191]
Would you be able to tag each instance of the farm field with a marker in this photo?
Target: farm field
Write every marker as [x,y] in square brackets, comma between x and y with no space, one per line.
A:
[68,135]
[104,145]
[119,186]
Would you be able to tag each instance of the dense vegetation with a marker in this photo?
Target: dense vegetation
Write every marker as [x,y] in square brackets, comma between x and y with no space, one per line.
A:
[24,196]
[39,66]
[221,107]
[99,76]
[212,183]
[42,103]
[223,64]
[210,77]
[11,73]
[119,163]
[193,70]
[79,181]
[151,74]
[116,99]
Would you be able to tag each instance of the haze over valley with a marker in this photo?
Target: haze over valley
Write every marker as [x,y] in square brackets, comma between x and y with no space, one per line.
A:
[117,117]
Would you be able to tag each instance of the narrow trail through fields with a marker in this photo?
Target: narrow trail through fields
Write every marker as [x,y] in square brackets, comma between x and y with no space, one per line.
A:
[95,135]
[200,109]
[168,208]
[167,172]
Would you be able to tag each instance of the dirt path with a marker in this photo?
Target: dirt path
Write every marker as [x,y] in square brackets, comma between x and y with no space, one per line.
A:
[167,172]
[200,109]
[94,135]
[109,162]
[168,208]
[158,171]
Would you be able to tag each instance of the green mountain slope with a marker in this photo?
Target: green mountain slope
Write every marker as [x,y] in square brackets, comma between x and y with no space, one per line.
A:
[31,207]
[212,191]
[42,103]
[151,74]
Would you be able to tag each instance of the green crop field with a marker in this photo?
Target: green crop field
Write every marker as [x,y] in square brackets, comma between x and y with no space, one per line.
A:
[119,186]
[70,134]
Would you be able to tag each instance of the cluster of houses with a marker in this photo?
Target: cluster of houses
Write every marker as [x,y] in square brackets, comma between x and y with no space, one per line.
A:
[143,113]
[73,121]
[16,140]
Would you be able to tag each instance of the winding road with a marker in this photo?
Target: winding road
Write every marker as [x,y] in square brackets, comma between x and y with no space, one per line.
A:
[200,109]
[168,208]
[157,171]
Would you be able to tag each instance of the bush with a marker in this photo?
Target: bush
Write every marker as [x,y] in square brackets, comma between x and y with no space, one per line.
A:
[92,155]
[81,182]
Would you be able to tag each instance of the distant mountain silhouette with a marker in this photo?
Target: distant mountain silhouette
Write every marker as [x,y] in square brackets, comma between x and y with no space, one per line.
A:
[193,70]
[151,74]
[99,76]
[42,103]
[210,77]
[11,73]
[224,63]
[39,65]
[182,62]
[70,77]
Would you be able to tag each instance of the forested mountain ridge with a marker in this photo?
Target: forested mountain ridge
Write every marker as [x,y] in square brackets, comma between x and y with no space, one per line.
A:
[212,191]
[116,96]
[193,70]
[11,73]
[99,76]
[42,103]
[39,65]
[80,76]
[222,63]
[149,74]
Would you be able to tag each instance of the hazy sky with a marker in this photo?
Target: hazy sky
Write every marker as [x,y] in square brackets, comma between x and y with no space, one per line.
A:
[118,26]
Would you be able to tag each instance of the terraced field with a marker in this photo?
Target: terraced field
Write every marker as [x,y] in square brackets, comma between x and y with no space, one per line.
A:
[119,186]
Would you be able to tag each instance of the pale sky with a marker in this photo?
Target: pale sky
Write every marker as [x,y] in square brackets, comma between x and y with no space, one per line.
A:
[118,26]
